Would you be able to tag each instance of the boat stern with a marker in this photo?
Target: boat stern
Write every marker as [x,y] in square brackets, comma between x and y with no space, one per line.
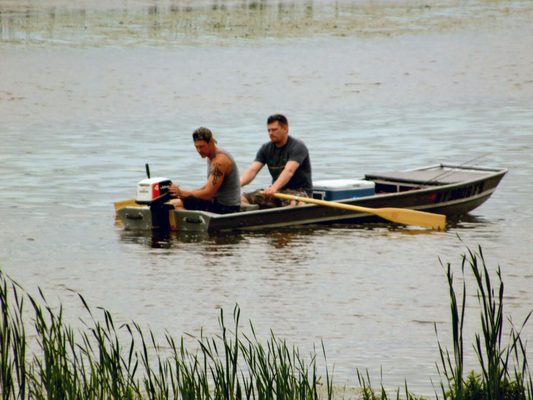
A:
[145,217]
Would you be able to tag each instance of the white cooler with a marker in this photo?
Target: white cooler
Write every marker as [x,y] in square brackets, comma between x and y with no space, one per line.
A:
[341,189]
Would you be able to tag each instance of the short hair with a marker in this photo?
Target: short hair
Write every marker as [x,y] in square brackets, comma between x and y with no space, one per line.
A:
[282,119]
[202,133]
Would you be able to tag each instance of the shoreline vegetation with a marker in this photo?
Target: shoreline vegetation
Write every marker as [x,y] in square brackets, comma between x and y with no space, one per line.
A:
[105,361]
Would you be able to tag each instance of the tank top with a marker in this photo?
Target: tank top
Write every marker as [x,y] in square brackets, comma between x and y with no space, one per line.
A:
[229,193]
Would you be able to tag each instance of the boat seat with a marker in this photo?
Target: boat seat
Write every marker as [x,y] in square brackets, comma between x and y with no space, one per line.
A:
[249,207]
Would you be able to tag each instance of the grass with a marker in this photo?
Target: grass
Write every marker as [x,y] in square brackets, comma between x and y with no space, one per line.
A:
[105,361]
[504,368]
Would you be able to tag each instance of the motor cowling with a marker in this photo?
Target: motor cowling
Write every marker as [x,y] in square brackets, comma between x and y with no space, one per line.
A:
[153,190]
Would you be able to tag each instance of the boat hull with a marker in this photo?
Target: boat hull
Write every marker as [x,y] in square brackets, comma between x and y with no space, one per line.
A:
[445,189]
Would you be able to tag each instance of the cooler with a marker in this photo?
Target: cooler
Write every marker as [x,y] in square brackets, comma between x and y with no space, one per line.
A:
[340,189]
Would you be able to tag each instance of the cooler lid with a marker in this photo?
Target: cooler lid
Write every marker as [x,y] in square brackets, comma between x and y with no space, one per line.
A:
[343,184]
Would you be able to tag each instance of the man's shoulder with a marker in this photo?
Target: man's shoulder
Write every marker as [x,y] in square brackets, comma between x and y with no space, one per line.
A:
[266,147]
[222,157]
[295,142]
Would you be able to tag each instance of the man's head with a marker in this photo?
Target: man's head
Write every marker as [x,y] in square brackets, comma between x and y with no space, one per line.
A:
[278,129]
[204,141]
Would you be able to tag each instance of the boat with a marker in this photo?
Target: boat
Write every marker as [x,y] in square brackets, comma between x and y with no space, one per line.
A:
[447,189]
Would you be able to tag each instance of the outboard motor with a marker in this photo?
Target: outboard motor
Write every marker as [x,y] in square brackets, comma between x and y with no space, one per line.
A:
[154,192]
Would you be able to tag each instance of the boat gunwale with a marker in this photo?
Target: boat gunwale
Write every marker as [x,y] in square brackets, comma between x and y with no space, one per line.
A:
[363,199]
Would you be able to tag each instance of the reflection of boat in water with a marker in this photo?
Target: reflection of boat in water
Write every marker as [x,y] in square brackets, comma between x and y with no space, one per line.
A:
[452,190]
[224,243]
[166,239]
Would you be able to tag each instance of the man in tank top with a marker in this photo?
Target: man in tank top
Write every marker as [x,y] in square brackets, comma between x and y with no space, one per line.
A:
[222,192]
[288,162]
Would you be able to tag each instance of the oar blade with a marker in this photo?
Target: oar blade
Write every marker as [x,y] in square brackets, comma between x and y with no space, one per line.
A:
[406,216]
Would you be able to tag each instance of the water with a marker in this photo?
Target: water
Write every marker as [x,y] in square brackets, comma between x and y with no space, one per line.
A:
[88,95]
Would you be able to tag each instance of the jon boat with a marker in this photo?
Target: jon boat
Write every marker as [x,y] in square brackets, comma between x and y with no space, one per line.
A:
[447,189]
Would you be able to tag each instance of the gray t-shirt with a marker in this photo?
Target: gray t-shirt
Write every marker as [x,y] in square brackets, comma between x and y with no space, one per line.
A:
[276,159]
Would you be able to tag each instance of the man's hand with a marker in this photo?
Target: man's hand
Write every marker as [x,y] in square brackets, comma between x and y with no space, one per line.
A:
[269,192]
[174,191]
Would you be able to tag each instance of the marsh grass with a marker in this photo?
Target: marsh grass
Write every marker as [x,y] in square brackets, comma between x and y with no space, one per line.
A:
[106,361]
[505,372]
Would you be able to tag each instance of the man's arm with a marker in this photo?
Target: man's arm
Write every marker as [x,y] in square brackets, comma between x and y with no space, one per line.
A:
[283,178]
[220,167]
[251,172]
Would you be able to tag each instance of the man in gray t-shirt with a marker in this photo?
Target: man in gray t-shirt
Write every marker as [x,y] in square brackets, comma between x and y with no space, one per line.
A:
[288,162]
[222,191]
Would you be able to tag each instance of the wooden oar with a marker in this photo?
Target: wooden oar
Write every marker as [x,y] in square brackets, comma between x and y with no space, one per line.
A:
[399,215]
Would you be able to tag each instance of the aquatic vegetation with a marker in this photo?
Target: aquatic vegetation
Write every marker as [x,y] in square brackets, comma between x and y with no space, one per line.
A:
[143,21]
[499,378]
[126,362]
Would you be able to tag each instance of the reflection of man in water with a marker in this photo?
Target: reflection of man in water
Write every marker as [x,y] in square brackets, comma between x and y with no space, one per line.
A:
[221,193]
[288,162]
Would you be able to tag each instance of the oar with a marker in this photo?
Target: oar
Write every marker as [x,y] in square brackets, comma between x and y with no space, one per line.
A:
[399,215]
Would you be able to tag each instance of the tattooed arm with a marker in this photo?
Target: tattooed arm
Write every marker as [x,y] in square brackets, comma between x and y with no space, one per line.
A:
[220,167]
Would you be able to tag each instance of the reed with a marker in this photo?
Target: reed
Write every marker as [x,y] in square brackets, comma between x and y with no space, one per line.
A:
[106,361]
[497,379]
[368,392]
[13,367]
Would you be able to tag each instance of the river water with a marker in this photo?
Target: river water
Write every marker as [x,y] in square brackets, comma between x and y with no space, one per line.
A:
[89,93]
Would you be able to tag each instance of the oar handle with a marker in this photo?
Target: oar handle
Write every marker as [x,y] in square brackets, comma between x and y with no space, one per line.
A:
[325,203]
